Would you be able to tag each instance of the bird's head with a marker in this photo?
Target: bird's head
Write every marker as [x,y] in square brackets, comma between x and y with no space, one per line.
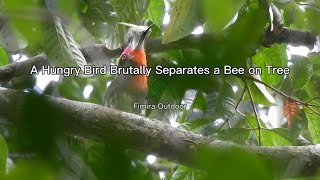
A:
[135,52]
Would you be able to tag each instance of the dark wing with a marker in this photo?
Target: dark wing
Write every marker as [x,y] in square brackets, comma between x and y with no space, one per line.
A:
[121,98]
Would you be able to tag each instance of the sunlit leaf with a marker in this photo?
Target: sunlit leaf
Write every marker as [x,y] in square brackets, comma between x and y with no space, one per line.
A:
[260,94]
[3,57]
[29,23]
[221,12]
[301,72]
[271,138]
[286,133]
[312,14]
[183,19]
[314,127]
[180,173]
[274,56]
[67,42]
[26,170]
[294,16]
[156,12]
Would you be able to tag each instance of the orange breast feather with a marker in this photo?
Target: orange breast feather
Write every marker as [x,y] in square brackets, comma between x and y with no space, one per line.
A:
[139,82]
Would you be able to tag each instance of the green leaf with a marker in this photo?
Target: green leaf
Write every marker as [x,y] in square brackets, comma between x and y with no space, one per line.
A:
[236,135]
[312,16]
[232,163]
[260,94]
[180,174]
[32,169]
[3,57]
[69,46]
[314,127]
[29,23]
[271,138]
[66,8]
[155,12]
[72,88]
[11,39]
[159,86]
[274,56]
[252,122]
[199,101]
[286,133]
[314,58]
[294,16]
[130,11]
[221,12]
[183,19]
[100,21]
[301,73]
[3,156]
[224,105]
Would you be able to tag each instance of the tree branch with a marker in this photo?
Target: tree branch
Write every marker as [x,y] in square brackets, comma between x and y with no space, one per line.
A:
[152,136]
[22,68]
[153,45]
[277,33]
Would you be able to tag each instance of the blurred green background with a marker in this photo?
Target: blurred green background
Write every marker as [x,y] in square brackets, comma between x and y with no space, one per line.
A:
[202,33]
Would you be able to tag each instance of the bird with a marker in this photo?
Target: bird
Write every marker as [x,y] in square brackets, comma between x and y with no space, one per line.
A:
[126,90]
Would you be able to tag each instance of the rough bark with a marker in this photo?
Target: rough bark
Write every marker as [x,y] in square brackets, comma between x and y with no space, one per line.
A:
[22,68]
[104,124]
[152,136]
[280,34]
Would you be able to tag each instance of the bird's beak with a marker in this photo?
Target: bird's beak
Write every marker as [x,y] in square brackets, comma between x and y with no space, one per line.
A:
[140,44]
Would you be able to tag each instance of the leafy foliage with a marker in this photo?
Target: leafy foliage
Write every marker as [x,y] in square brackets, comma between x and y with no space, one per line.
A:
[221,107]
[184,17]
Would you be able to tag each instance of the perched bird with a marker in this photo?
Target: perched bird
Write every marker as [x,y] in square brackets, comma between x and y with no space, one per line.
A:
[125,90]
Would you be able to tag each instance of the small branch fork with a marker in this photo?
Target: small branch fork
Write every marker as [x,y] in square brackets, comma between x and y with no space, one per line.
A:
[259,128]
[306,104]
[278,33]
[244,78]
[254,110]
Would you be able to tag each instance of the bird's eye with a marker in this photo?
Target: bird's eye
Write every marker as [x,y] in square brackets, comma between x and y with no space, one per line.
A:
[124,56]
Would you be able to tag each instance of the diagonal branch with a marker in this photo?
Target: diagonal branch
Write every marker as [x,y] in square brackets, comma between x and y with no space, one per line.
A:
[23,68]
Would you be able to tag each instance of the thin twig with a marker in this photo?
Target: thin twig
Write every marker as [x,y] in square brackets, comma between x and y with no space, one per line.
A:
[238,103]
[306,104]
[224,123]
[313,99]
[254,110]
[228,121]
